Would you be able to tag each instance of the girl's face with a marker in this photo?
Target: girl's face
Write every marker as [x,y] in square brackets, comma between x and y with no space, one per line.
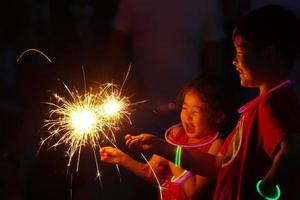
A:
[197,118]
[248,63]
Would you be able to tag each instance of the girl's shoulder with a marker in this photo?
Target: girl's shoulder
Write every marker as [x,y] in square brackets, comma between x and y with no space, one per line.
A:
[216,146]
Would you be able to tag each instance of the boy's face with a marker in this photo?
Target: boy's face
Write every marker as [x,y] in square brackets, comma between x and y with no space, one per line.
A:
[197,118]
[248,62]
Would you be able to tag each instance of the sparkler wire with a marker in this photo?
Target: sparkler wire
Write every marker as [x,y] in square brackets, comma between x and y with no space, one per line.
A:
[155,176]
[36,50]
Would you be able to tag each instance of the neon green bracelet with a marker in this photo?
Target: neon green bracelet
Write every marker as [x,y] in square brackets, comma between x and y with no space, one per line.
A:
[273,197]
[177,161]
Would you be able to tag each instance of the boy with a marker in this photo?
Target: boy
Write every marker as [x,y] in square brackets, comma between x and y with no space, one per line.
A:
[261,157]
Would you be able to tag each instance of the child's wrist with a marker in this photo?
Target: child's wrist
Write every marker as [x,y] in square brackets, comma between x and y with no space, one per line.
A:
[123,158]
[266,192]
[177,180]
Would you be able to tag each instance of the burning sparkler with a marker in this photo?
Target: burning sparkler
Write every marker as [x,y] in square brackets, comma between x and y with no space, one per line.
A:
[88,119]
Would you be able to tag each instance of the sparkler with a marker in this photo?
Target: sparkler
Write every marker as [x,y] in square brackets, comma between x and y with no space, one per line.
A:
[88,119]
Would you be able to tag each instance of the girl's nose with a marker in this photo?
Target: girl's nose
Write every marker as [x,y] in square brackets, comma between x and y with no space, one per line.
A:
[189,117]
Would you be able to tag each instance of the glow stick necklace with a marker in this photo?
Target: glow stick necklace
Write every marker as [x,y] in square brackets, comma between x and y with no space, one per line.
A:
[197,145]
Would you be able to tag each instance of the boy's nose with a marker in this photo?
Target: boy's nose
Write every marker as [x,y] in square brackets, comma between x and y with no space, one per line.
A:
[234,61]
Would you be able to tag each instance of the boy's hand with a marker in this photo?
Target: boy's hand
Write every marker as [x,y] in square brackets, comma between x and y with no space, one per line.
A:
[144,142]
[112,155]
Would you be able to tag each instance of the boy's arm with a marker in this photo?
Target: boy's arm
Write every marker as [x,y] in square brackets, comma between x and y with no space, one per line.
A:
[196,186]
[142,170]
[204,164]
[286,162]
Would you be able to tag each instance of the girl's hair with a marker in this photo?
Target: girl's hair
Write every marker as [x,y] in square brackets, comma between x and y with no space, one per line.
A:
[219,94]
[273,26]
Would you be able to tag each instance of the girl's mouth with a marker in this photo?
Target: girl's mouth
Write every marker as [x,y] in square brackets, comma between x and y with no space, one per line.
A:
[189,128]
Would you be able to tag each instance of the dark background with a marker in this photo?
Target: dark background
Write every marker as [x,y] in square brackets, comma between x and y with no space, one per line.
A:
[72,33]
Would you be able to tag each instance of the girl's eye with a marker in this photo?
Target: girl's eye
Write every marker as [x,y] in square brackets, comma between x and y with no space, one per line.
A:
[195,112]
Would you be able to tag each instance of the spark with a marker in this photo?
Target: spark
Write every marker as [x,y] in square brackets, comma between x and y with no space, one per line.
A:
[83,120]
[112,107]
[86,120]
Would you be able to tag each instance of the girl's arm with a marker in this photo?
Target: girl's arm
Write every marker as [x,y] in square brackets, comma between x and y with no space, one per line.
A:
[204,164]
[195,185]
[142,170]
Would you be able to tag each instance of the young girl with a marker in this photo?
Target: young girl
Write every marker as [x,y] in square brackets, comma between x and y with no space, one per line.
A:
[202,116]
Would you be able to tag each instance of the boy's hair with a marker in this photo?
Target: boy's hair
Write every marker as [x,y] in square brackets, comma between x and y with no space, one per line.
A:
[218,94]
[272,26]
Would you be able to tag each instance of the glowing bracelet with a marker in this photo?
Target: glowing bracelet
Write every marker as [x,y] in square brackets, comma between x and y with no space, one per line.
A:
[181,178]
[273,197]
[178,156]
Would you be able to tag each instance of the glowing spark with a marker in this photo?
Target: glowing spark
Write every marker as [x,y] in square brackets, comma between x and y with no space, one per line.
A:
[83,121]
[112,107]
[88,119]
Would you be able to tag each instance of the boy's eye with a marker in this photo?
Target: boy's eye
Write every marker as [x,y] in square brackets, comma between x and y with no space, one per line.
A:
[241,52]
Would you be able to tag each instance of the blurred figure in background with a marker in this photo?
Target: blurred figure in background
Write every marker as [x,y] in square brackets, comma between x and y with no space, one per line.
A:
[168,43]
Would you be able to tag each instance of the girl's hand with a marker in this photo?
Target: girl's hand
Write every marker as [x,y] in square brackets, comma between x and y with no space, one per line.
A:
[112,155]
[144,142]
